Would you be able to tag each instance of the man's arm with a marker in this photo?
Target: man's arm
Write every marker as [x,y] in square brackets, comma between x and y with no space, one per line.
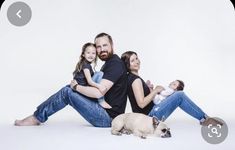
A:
[92,91]
[91,82]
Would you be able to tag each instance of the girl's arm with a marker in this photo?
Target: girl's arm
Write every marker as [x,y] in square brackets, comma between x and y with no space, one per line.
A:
[138,91]
[91,82]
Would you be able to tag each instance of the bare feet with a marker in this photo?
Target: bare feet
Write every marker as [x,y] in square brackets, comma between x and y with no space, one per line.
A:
[104,104]
[28,121]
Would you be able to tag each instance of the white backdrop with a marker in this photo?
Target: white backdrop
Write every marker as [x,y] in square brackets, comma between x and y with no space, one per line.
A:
[191,40]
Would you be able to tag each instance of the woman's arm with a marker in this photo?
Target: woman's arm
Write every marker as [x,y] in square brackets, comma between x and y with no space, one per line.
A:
[138,91]
[91,82]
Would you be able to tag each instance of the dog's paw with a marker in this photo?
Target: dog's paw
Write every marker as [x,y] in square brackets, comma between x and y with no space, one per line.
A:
[128,132]
[119,134]
[125,131]
[116,133]
[143,137]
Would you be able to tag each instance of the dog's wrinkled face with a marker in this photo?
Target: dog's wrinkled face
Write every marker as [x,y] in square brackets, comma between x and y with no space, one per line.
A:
[162,130]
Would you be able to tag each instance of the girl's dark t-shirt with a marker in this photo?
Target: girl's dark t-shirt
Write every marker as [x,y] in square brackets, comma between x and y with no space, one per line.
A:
[134,105]
[80,76]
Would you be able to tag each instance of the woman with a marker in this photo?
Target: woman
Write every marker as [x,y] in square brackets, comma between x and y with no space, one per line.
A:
[141,96]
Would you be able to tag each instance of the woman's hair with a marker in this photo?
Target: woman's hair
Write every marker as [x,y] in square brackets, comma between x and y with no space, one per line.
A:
[180,86]
[126,59]
[82,59]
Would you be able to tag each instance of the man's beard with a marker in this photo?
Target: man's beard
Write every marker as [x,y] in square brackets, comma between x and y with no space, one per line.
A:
[104,55]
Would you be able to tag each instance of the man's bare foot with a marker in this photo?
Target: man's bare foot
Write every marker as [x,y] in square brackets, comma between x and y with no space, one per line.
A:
[28,121]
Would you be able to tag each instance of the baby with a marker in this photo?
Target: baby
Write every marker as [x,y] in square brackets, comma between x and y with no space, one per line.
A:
[176,85]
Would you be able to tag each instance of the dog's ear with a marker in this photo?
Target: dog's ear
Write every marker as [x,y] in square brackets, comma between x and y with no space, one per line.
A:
[155,122]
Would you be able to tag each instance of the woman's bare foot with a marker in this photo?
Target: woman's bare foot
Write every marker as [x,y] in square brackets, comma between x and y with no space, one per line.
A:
[211,121]
[28,121]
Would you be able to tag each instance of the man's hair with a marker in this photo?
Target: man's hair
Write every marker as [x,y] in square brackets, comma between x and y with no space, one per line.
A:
[105,34]
[180,86]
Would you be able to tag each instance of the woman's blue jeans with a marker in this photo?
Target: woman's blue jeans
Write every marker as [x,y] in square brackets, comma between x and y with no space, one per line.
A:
[178,99]
[89,109]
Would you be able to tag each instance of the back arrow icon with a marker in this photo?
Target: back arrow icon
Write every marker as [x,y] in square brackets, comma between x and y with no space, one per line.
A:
[18,13]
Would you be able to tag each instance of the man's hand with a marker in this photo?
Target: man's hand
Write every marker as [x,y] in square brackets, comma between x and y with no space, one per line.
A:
[102,89]
[73,83]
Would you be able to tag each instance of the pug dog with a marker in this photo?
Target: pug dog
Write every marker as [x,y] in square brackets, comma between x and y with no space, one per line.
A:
[139,125]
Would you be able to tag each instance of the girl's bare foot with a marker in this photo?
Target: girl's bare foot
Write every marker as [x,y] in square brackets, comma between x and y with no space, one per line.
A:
[104,104]
[28,121]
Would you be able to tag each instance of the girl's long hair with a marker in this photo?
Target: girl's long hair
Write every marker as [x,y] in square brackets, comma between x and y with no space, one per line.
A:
[82,59]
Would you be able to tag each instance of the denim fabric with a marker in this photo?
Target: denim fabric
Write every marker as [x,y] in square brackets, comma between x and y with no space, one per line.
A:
[97,78]
[178,99]
[90,110]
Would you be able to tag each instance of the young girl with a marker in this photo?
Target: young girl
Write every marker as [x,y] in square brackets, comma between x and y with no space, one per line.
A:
[84,74]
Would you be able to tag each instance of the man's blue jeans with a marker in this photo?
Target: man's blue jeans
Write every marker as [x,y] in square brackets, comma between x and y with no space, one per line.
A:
[89,109]
[178,99]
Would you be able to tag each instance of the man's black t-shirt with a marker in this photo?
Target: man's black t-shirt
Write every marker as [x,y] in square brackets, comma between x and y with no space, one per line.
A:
[115,71]
[134,105]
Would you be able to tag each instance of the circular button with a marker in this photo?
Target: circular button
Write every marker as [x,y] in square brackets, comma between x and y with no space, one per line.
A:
[19,13]
[215,133]
[1,5]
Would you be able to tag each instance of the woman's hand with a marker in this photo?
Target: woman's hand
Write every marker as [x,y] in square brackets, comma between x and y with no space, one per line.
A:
[73,84]
[150,85]
[158,89]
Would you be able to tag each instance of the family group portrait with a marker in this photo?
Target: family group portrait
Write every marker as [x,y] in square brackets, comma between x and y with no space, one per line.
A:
[101,97]
[87,74]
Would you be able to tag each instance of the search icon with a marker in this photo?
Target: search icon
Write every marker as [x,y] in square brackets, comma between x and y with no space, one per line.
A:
[214,130]
[215,134]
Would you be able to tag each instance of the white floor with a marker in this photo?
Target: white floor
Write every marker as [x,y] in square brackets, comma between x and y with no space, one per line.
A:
[75,133]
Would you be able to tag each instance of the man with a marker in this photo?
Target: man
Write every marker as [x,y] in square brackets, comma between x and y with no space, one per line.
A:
[84,98]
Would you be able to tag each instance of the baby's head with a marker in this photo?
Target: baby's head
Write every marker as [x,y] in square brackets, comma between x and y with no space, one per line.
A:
[177,85]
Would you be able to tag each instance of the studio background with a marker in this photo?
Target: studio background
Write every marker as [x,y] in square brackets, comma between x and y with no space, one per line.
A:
[191,40]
